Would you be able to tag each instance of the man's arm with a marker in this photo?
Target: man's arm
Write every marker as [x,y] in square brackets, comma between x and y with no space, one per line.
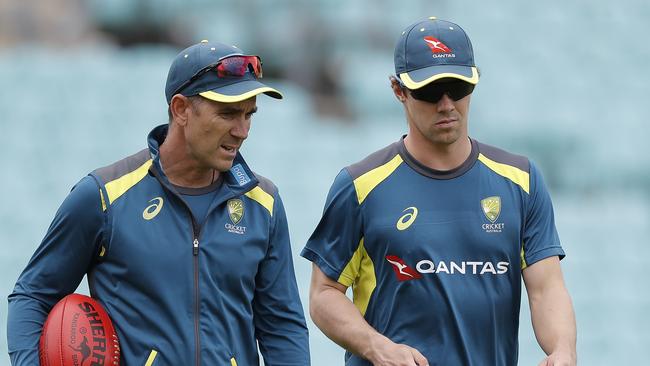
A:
[55,269]
[280,325]
[551,312]
[341,321]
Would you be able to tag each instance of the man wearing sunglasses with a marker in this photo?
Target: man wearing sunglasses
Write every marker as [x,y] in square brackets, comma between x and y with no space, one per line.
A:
[435,231]
[184,245]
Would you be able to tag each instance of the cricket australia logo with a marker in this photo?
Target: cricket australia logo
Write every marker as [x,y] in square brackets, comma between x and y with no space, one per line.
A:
[491,207]
[236,213]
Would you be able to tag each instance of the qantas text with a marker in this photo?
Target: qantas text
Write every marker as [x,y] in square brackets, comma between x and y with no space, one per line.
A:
[469,267]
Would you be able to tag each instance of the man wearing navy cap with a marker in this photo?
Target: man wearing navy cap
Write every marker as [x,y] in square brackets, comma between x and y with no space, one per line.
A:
[435,231]
[184,245]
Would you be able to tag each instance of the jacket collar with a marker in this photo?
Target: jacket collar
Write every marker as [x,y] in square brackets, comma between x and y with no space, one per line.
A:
[239,179]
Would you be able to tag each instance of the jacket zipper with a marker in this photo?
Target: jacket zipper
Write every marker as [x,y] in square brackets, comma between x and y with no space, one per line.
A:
[196,232]
[195,251]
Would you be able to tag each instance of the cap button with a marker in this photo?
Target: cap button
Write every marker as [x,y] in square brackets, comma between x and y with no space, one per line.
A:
[432,18]
[204,41]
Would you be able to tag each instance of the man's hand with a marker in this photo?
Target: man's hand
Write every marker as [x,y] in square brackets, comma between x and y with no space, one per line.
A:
[559,358]
[384,352]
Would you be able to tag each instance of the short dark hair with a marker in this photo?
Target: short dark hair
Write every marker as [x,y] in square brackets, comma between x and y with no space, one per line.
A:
[194,101]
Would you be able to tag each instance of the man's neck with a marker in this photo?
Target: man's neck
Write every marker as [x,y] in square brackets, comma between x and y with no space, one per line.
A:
[181,169]
[442,156]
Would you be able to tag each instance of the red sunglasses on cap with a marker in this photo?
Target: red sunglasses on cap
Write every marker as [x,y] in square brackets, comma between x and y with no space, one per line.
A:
[229,66]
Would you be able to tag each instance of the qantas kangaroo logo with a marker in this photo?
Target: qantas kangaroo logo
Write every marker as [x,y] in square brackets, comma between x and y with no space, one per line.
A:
[403,271]
[436,45]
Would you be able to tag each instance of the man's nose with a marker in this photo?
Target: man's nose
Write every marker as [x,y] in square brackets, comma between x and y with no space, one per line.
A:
[241,128]
[445,104]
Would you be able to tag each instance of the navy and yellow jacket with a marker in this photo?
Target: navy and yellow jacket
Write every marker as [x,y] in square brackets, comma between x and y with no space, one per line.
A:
[178,292]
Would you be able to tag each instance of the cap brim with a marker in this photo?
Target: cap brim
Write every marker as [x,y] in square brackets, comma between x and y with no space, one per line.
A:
[418,78]
[240,91]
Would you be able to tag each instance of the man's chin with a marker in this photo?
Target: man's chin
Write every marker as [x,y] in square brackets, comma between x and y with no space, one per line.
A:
[223,166]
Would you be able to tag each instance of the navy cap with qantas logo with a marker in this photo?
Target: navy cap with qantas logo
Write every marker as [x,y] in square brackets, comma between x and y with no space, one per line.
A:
[434,49]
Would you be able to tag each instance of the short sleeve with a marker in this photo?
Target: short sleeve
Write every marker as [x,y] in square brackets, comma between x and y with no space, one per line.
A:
[338,235]
[540,239]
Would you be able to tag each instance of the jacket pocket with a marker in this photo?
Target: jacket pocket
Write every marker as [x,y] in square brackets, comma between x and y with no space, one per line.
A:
[152,358]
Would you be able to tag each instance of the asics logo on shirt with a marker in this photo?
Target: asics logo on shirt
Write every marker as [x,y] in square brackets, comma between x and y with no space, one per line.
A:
[407,219]
[153,209]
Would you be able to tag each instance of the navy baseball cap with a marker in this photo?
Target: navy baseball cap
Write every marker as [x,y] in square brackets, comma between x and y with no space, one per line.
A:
[192,60]
[434,49]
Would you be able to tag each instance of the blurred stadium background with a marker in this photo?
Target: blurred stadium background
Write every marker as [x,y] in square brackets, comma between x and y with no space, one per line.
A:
[564,82]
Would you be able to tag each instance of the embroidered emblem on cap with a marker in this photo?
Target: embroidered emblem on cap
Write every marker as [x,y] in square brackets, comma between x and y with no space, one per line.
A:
[436,45]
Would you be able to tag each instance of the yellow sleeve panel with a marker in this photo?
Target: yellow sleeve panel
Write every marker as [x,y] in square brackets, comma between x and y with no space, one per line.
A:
[360,274]
[523,258]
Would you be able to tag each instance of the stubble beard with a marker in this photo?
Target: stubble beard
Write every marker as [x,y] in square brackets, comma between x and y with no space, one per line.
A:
[444,137]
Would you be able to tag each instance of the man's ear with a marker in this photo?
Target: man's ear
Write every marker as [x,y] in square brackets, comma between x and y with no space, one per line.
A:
[180,108]
[398,89]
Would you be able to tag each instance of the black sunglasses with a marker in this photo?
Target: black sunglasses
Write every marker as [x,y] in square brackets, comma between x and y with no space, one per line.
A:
[432,93]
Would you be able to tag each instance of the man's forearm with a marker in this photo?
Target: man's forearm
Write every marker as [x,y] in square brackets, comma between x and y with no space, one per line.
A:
[553,320]
[24,322]
[342,322]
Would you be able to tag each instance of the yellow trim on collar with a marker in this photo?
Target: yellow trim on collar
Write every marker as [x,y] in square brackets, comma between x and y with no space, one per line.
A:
[223,98]
[411,84]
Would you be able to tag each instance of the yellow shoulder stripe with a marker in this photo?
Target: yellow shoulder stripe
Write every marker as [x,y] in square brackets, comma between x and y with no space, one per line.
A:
[371,179]
[516,175]
[360,274]
[263,198]
[119,186]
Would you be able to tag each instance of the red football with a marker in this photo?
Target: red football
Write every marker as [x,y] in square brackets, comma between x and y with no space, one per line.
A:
[78,332]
